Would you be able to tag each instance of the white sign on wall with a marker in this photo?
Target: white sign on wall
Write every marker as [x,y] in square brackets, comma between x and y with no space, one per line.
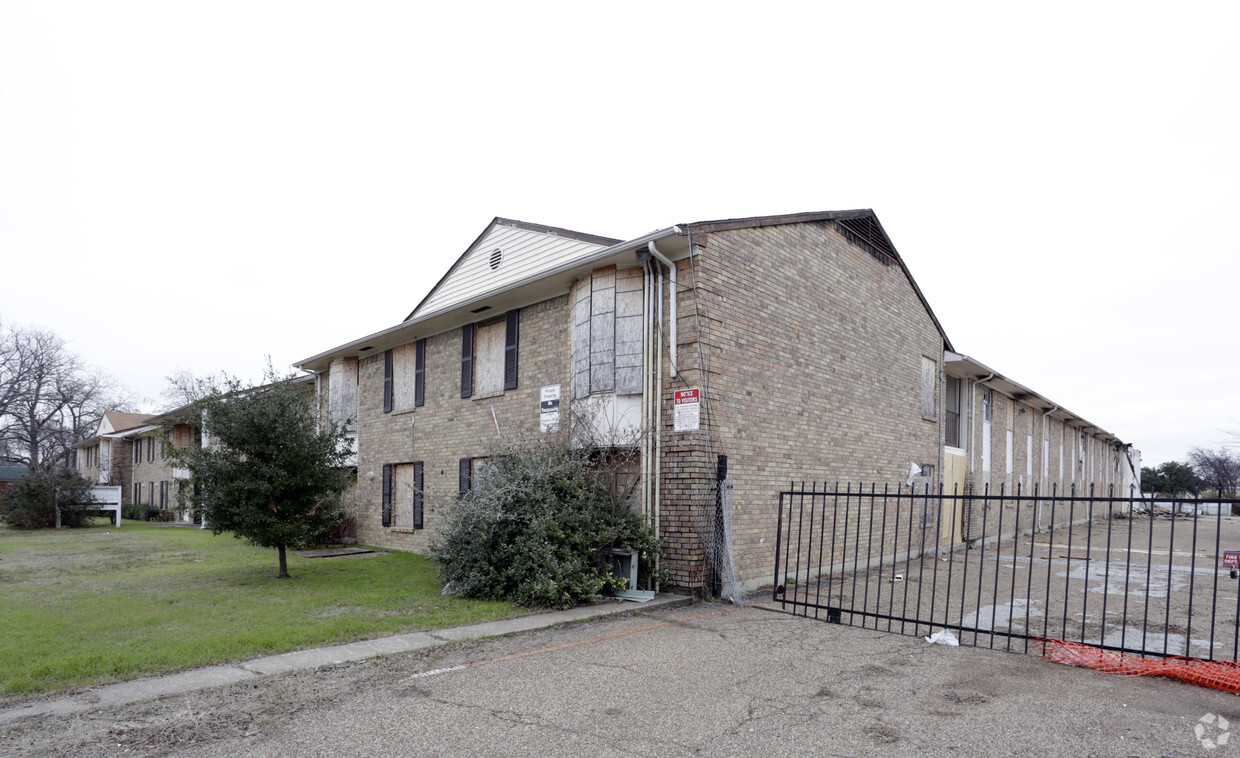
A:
[549,408]
[688,412]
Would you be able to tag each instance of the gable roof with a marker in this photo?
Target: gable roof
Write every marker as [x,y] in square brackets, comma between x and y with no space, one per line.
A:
[122,421]
[550,270]
[860,226]
[506,251]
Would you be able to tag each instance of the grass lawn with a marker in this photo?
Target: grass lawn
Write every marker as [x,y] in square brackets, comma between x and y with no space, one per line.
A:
[87,606]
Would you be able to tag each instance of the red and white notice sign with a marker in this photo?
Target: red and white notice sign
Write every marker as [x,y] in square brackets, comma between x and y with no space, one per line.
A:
[688,414]
[1231,559]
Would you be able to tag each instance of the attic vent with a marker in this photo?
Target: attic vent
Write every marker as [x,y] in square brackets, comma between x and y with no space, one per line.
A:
[868,235]
[497,257]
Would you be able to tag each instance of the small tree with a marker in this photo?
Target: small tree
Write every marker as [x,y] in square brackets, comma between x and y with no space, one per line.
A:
[269,474]
[32,502]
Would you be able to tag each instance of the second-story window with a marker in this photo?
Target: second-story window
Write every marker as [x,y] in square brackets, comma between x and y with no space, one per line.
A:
[489,355]
[404,377]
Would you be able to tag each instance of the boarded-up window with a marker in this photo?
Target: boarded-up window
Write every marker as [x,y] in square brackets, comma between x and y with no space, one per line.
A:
[481,468]
[402,495]
[489,344]
[928,384]
[342,393]
[404,360]
[489,355]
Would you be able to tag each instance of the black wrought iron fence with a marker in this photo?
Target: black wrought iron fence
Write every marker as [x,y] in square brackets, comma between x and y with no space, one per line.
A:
[1157,578]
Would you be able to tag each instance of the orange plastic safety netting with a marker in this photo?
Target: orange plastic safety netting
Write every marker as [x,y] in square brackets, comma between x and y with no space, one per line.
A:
[1221,675]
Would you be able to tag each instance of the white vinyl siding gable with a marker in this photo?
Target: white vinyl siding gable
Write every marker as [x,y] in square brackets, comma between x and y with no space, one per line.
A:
[524,255]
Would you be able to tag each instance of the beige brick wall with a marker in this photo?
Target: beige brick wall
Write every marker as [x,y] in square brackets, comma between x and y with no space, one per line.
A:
[809,352]
[147,472]
[812,351]
[448,428]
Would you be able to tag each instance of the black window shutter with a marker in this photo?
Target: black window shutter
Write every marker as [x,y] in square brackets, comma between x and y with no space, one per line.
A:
[387,494]
[466,475]
[510,349]
[467,360]
[387,381]
[419,373]
[417,495]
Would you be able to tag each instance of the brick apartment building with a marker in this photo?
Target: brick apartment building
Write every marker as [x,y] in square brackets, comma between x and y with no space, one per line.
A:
[130,450]
[107,457]
[797,346]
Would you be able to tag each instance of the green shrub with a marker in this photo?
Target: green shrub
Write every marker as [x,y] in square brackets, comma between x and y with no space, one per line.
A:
[539,526]
[31,502]
[139,512]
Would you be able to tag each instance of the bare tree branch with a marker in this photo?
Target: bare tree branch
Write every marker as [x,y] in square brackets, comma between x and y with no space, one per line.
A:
[1219,469]
[48,399]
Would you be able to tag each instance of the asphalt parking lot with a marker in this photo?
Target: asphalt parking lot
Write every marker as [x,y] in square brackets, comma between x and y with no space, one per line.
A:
[697,680]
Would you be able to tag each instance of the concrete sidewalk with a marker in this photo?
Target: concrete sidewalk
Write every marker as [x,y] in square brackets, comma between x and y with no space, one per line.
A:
[151,688]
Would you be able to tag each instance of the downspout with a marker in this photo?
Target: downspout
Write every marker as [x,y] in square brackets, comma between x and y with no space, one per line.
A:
[645,423]
[674,297]
[658,404]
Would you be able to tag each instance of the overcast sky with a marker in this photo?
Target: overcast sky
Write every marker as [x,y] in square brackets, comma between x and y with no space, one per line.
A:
[199,185]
